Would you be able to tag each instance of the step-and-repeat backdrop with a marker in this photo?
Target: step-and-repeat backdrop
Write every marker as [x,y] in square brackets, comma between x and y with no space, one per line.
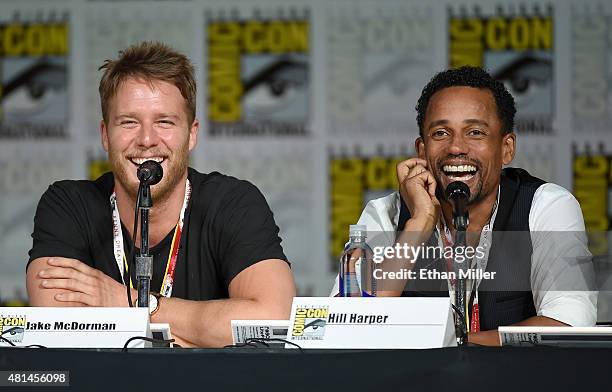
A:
[313,101]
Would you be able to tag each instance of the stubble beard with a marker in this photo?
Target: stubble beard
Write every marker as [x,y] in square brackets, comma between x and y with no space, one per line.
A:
[475,196]
[173,174]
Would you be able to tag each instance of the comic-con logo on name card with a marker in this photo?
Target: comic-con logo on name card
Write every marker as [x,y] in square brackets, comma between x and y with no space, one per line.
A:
[34,77]
[12,328]
[515,44]
[258,74]
[309,323]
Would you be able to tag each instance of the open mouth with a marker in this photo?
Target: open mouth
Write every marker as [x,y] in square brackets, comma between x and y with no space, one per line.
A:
[459,172]
[140,161]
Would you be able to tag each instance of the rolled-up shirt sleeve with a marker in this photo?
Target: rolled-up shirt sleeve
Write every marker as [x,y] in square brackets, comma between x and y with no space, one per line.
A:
[562,275]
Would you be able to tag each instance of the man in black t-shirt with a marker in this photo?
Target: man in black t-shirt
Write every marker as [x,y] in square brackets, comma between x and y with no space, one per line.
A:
[215,245]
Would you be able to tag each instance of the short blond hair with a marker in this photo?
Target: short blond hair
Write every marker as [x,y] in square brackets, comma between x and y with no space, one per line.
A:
[150,61]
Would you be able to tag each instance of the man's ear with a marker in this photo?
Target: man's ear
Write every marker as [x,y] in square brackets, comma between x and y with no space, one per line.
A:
[104,135]
[508,148]
[193,134]
[419,147]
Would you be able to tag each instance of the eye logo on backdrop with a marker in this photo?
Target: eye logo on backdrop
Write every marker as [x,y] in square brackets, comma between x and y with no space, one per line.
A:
[34,77]
[258,74]
[515,44]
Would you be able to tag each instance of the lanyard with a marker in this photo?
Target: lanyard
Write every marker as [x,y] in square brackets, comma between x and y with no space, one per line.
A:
[447,241]
[485,241]
[474,325]
[122,264]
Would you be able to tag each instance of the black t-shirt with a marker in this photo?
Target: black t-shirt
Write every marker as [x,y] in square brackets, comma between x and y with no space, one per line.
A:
[228,227]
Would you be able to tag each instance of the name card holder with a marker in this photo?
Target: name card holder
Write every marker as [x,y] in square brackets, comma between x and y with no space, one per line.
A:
[74,327]
[371,323]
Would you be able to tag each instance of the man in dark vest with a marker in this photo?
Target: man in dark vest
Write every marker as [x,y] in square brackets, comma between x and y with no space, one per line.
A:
[526,236]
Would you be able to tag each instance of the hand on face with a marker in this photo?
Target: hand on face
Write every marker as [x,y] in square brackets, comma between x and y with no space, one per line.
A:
[82,284]
[418,190]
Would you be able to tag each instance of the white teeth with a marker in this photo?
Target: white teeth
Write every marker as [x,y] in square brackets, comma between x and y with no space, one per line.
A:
[459,168]
[140,161]
[463,177]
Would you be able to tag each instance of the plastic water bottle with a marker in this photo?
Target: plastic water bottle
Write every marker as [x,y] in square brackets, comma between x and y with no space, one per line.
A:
[356,277]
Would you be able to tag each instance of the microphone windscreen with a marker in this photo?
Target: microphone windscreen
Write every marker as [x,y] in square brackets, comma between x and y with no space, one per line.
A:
[150,172]
[457,189]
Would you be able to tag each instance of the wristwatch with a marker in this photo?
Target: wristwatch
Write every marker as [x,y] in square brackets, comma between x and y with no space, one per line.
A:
[153,303]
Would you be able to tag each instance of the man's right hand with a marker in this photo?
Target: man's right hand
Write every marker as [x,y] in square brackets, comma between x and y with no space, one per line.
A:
[418,190]
[59,281]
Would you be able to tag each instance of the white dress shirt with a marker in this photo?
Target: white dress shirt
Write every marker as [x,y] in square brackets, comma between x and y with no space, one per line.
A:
[553,209]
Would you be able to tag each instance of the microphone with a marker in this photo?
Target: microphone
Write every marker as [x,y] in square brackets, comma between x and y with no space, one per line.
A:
[149,173]
[458,193]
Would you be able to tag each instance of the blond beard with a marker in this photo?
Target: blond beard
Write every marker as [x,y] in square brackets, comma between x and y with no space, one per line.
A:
[160,192]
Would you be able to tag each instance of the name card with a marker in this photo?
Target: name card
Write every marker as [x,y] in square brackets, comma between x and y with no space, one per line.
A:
[73,327]
[529,336]
[371,323]
[260,329]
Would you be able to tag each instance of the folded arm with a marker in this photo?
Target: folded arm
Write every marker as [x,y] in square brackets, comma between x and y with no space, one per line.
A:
[60,281]
[264,290]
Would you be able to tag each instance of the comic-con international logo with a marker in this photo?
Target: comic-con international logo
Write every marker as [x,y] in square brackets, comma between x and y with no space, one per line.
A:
[97,164]
[12,328]
[379,57]
[34,77]
[592,172]
[310,323]
[355,178]
[515,44]
[258,73]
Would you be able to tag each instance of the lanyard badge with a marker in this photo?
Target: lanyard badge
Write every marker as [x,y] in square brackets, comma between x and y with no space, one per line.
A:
[119,253]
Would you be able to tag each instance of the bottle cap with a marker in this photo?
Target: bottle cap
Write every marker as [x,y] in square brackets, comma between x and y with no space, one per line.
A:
[358,231]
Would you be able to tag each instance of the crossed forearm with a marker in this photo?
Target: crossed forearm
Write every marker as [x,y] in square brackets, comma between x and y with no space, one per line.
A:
[263,291]
[208,323]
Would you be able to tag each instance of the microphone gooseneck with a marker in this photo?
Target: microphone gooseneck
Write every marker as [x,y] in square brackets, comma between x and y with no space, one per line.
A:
[458,193]
[149,173]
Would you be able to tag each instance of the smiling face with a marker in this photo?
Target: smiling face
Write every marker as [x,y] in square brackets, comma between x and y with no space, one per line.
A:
[148,121]
[462,140]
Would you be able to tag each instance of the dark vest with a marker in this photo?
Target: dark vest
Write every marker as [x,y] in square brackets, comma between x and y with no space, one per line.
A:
[506,299]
